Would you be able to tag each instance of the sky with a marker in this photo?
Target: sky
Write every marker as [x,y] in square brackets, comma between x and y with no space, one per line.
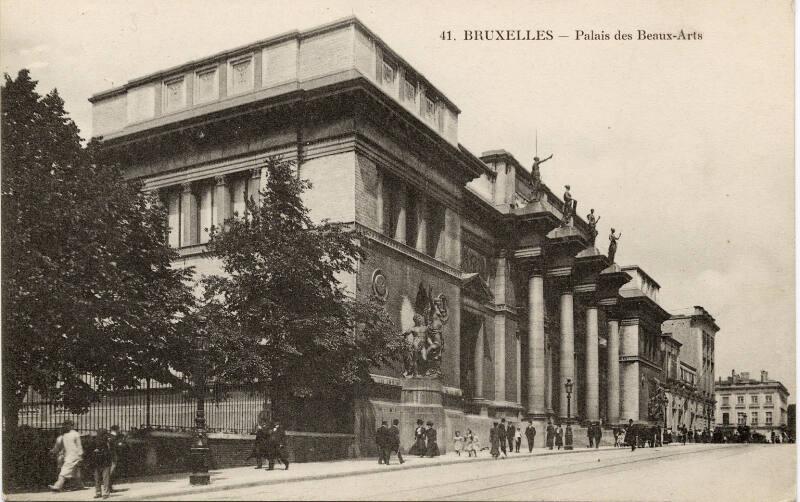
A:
[685,146]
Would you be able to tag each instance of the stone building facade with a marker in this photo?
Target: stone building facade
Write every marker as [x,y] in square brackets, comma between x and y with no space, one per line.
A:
[690,374]
[531,302]
[761,404]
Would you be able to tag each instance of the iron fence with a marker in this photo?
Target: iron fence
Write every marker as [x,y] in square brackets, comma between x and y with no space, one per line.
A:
[228,408]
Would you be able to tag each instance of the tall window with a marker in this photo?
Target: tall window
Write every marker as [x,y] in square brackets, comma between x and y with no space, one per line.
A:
[768,418]
[725,400]
[754,418]
[741,418]
[753,399]
[725,418]
[739,399]
[768,399]
[389,73]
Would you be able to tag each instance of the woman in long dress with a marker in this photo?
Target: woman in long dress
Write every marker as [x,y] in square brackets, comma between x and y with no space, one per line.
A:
[433,447]
[73,454]
[419,447]
[559,437]
[494,440]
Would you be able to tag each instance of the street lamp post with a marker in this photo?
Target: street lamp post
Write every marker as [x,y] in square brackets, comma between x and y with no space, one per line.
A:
[568,432]
[198,455]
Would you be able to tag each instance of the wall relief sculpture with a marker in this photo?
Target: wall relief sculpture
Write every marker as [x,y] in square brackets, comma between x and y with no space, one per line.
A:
[425,340]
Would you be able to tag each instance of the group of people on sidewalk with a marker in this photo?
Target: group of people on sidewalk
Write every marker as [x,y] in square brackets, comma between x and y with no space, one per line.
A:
[270,444]
[100,454]
[508,438]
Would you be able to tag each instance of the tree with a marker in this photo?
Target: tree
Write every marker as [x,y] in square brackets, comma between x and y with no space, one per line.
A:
[88,286]
[279,315]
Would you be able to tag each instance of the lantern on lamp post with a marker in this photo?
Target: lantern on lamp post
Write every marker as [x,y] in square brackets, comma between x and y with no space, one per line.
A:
[199,451]
[568,433]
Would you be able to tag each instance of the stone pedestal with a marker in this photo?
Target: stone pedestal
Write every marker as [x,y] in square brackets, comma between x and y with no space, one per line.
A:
[421,399]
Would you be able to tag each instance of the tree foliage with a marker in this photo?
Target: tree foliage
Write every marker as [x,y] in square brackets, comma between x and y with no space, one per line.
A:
[280,315]
[88,286]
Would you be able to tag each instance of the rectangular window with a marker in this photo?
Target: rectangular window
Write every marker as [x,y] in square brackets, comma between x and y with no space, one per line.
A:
[739,399]
[725,419]
[768,399]
[206,86]
[389,73]
[240,75]
[174,94]
[768,418]
[741,418]
[430,108]
[753,399]
[409,91]
[725,400]
[754,418]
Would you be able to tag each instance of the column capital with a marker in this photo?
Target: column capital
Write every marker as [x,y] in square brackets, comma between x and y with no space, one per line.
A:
[187,187]
[255,173]
[220,180]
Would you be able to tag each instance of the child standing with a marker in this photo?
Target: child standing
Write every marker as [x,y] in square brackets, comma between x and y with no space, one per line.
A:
[459,442]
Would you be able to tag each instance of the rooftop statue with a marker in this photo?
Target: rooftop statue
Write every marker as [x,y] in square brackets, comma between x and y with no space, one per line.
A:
[536,176]
[570,206]
[592,220]
[612,245]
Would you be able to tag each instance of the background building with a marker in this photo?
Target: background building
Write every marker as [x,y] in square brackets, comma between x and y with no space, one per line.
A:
[758,403]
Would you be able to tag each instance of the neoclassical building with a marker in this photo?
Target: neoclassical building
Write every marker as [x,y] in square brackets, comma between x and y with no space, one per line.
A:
[531,302]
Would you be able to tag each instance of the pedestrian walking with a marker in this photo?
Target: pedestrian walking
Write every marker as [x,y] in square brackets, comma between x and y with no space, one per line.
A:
[517,439]
[458,443]
[419,440]
[394,435]
[559,437]
[598,434]
[501,436]
[550,435]
[260,446]
[430,436]
[511,433]
[276,446]
[98,460]
[590,434]
[383,441]
[530,435]
[494,441]
[630,435]
[118,445]
[58,449]
[73,454]
[470,444]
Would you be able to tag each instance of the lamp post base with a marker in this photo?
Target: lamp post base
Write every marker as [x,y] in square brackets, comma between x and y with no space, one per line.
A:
[568,438]
[199,460]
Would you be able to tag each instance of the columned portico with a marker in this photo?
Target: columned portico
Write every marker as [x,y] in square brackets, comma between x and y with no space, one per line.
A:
[592,365]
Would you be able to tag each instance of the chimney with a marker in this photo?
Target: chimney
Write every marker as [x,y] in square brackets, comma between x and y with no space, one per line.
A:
[745,375]
[764,376]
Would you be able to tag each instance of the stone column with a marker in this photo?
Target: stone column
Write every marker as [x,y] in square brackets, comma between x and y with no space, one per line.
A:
[188,216]
[478,363]
[613,371]
[518,343]
[222,202]
[630,370]
[422,224]
[592,365]
[402,207]
[379,201]
[254,185]
[536,354]
[548,391]
[500,358]
[567,353]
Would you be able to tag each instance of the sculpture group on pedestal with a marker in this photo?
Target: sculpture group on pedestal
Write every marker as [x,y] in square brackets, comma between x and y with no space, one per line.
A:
[425,341]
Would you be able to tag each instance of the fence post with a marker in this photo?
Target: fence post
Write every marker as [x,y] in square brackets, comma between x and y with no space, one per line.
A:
[147,404]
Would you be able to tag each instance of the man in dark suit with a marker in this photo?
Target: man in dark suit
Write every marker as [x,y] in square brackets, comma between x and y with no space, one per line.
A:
[631,435]
[276,446]
[501,431]
[382,440]
[550,434]
[394,435]
[511,432]
[530,435]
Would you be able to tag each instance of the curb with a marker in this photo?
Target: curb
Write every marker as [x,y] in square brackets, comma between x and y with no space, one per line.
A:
[361,472]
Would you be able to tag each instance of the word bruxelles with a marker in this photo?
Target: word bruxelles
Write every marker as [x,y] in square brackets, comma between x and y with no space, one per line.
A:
[639,35]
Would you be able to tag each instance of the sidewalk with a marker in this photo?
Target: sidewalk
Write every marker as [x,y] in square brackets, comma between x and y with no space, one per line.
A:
[157,487]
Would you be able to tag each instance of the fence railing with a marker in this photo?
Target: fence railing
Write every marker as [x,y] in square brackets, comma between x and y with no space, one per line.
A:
[229,408]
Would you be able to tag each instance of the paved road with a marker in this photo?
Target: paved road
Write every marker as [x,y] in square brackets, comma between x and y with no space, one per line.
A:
[759,473]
